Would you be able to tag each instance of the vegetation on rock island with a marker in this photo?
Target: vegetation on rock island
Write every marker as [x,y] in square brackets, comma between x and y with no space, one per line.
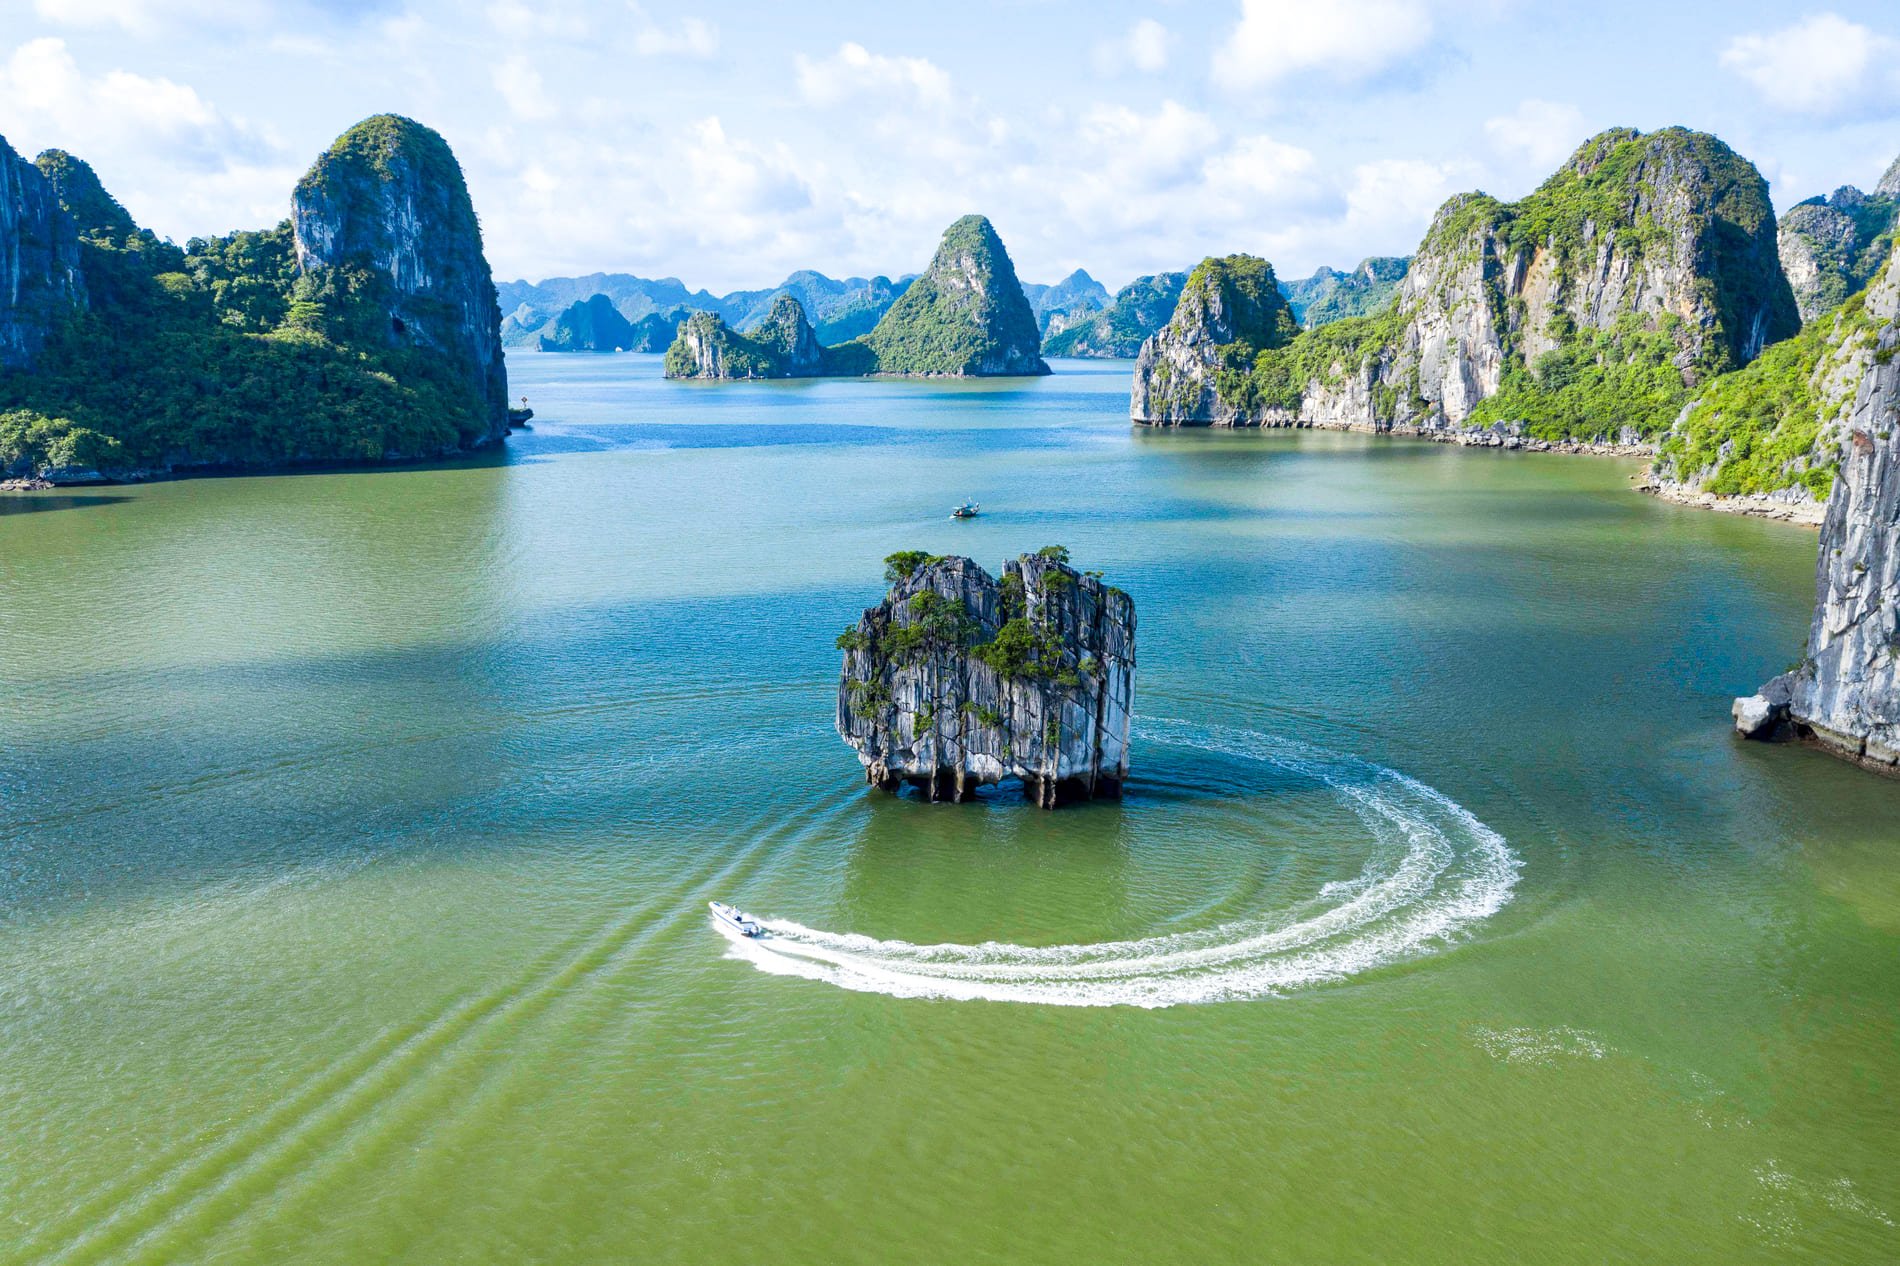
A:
[228,353]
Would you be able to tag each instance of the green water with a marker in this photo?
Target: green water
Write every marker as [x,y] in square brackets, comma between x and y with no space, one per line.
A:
[357,832]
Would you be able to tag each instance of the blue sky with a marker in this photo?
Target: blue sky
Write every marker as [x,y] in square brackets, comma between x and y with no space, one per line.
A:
[729,143]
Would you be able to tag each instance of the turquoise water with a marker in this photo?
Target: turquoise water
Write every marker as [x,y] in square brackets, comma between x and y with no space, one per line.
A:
[358,829]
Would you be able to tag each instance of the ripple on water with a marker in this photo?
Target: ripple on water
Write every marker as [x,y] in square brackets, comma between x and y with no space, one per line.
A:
[1432,872]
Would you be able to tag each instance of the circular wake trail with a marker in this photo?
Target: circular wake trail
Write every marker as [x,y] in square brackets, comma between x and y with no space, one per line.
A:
[1433,871]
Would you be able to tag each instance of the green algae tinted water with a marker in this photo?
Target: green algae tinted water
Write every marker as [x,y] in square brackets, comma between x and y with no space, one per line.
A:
[358,830]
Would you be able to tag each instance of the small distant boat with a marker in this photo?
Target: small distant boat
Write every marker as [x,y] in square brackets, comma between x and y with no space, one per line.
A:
[968,510]
[736,919]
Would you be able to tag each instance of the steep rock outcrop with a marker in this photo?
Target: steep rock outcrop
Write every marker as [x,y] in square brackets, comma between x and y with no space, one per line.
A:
[1831,247]
[1889,186]
[1766,439]
[1230,310]
[40,276]
[362,330]
[1668,234]
[965,317]
[706,347]
[957,680]
[588,325]
[95,212]
[1139,309]
[783,346]
[789,336]
[1845,695]
[383,223]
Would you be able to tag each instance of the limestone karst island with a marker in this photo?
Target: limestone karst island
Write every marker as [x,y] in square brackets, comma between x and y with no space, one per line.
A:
[568,628]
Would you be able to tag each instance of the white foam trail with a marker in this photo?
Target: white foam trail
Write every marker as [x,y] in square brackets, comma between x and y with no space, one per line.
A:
[1434,871]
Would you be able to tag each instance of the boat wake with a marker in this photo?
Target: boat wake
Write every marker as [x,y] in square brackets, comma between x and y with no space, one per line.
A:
[1434,870]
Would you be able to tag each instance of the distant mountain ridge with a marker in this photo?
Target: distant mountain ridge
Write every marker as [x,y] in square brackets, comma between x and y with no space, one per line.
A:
[965,317]
[1061,305]
[839,309]
[1329,295]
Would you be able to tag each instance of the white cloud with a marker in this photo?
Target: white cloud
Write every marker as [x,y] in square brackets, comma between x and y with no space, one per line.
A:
[1144,47]
[856,71]
[546,19]
[1347,39]
[140,133]
[1821,65]
[1396,194]
[1149,150]
[1543,132]
[693,37]
[695,198]
[1258,172]
[520,85]
[743,178]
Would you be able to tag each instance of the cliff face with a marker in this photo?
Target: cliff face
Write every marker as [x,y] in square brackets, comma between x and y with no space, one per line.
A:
[1846,693]
[1667,234]
[1230,310]
[1889,186]
[384,216]
[39,260]
[966,316]
[1832,247]
[957,680]
[783,346]
[362,330]
[791,339]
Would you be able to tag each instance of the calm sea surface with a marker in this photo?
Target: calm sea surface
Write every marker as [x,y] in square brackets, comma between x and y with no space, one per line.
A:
[356,832]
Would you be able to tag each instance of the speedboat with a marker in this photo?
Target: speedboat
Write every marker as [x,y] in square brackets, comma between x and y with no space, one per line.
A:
[968,510]
[736,919]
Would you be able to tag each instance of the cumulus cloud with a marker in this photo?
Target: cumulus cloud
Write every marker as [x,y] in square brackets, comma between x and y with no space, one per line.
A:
[1821,65]
[143,131]
[698,196]
[855,71]
[1156,150]
[1542,132]
[1346,39]
[1143,46]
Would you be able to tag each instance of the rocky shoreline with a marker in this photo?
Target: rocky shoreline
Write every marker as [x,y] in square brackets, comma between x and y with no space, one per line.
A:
[1773,506]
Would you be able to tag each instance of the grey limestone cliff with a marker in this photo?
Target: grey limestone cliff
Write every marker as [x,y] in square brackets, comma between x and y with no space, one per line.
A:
[1831,247]
[1845,694]
[1230,310]
[957,680]
[40,275]
[1668,232]
[385,218]
[783,346]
